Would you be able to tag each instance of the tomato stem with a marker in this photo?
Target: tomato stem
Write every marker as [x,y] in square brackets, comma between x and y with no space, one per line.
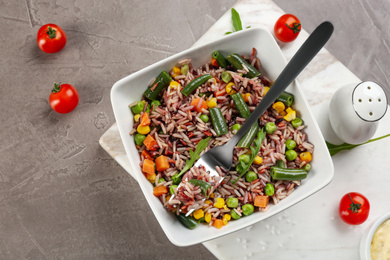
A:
[295,27]
[57,88]
[354,207]
[51,32]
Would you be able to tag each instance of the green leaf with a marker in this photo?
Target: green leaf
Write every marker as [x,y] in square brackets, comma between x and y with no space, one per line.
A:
[195,155]
[335,148]
[236,20]
[204,186]
[255,150]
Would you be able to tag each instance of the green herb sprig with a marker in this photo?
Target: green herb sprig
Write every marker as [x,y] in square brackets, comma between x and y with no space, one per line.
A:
[335,148]
[236,20]
[243,167]
[194,155]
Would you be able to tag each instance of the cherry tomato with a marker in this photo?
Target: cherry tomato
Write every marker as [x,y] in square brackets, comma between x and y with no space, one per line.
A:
[287,28]
[51,38]
[354,208]
[63,98]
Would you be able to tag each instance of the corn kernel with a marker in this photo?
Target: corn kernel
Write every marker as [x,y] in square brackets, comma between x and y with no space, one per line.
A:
[246,96]
[212,195]
[289,109]
[278,106]
[266,90]
[207,217]
[208,202]
[219,203]
[290,116]
[198,214]
[151,177]
[226,218]
[258,160]
[229,88]
[137,117]
[212,102]
[212,81]
[174,84]
[167,198]
[282,113]
[225,207]
[143,130]
[176,71]
[305,156]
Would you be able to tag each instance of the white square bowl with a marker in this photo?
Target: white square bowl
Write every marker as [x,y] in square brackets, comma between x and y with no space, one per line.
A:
[131,88]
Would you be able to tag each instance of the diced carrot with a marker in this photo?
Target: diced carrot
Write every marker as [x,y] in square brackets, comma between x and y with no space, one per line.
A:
[145,120]
[150,143]
[160,190]
[214,62]
[218,223]
[148,167]
[207,133]
[146,155]
[162,163]
[261,201]
[199,104]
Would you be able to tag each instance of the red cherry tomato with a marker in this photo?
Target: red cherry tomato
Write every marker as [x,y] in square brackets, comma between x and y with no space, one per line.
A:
[63,98]
[354,208]
[287,28]
[51,38]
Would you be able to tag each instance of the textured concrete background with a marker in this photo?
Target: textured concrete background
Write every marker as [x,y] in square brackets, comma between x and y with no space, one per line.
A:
[61,195]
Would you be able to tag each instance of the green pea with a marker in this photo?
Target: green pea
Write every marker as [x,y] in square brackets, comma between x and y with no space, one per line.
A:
[290,144]
[307,167]
[248,209]
[172,189]
[139,139]
[270,128]
[148,108]
[291,155]
[280,163]
[269,189]
[234,214]
[232,202]
[155,103]
[204,118]
[235,128]
[226,77]
[250,176]
[246,158]
[184,69]
[297,122]
[161,180]
[138,108]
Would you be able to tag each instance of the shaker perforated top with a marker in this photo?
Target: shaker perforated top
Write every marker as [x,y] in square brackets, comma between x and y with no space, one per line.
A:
[369,101]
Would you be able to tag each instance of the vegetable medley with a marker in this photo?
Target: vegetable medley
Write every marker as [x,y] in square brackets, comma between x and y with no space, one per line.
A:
[187,111]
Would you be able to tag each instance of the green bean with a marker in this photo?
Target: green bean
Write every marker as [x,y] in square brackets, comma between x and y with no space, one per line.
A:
[218,121]
[291,155]
[269,189]
[286,98]
[232,202]
[188,221]
[290,144]
[287,174]
[270,128]
[248,209]
[241,106]
[238,63]
[158,85]
[247,139]
[195,83]
[220,59]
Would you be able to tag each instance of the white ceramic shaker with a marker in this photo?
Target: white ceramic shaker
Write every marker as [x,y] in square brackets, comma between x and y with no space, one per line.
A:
[355,111]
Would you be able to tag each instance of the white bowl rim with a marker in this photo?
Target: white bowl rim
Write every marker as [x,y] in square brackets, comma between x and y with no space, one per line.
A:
[365,248]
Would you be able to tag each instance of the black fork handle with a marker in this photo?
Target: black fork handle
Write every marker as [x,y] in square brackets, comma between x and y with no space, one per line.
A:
[299,61]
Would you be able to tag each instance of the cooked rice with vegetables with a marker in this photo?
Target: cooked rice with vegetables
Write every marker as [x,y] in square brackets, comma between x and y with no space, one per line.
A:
[187,111]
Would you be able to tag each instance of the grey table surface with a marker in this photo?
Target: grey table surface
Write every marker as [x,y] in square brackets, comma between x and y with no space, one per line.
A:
[61,195]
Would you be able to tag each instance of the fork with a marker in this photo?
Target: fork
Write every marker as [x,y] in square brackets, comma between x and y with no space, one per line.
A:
[222,156]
